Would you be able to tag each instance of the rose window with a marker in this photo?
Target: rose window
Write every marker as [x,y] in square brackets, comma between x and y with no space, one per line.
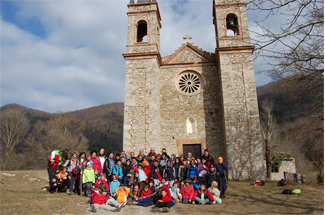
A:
[189,83]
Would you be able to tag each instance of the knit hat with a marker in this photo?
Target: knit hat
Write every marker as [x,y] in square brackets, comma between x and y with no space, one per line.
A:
[189,154]
[220,158]
[90,163]
[152,148]
[145,163]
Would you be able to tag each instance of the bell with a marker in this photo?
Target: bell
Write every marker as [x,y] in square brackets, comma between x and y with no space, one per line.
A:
[231,22]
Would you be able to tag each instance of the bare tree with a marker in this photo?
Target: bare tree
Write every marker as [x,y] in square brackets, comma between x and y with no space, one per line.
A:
[14,127]
[294,49]
[62,131]
[270,133]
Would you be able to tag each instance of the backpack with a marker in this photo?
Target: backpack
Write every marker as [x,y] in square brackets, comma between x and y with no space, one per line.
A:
[296,191]
[259,183]
[282,182]
[286,191]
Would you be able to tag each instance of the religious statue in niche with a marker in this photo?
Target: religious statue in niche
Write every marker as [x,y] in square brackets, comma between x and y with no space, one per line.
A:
[190,123]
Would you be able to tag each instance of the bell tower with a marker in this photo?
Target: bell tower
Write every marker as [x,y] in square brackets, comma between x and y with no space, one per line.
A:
[141,103]
[143,27]
[242,133]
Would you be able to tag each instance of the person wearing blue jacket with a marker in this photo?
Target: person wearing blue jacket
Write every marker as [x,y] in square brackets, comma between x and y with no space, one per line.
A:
[118,170]
[192,170]
[196,184]
[221,168]
[108,166]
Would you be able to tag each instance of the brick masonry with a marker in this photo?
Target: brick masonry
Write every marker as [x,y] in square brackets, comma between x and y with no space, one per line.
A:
[224,109]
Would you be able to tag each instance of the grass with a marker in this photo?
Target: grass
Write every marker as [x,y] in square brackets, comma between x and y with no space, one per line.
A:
[19,195]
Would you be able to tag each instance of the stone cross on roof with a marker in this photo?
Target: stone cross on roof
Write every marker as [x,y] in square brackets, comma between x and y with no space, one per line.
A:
[187,38]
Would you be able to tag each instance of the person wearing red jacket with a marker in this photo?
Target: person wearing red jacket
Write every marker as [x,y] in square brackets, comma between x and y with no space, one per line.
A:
[202,196]
[187,192]
[99,202]
[164,183]
[146,170]
[152,152]
[96,161]
[146,191]
[166,202]
[102,180]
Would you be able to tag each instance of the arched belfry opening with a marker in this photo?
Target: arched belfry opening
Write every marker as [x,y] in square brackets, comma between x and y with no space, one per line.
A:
[232,25]
[142,31]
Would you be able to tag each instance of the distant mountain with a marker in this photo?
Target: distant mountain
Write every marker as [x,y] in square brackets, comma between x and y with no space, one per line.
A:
[104,123]
[32,114]
[288,105]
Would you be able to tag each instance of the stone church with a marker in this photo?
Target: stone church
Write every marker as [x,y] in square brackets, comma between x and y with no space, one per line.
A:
[193,100]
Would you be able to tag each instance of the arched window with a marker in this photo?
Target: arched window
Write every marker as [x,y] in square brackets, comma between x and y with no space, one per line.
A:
[232,25]
[142,31]
[190,126]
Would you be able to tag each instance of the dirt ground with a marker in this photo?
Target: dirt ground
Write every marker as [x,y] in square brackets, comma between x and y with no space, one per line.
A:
[21,192]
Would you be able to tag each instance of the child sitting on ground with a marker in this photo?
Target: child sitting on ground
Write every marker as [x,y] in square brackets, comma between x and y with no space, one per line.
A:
[145,192]
[196,184]
[174,191]
[148,201]
[122,193]
[60,180]
[187,192]
[203,196]
[102,180]
[166,202]
[100,202]
[164,182]
[134,194]
[215,192]
[88,178]
[114,184]
[152,186]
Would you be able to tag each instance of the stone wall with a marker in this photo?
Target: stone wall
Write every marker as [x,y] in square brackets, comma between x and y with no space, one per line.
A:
[204,107]
[241,116]
[287,165]
[141,105]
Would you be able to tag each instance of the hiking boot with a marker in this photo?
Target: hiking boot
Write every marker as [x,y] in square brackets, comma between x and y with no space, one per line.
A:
[155,209]
[117,209]
[123,204]
[68,192]
[93,209]
[165,209]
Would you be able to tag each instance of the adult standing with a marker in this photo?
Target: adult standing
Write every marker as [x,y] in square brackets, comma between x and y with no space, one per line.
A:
[102,157]
[96,161]
[209,159]
[109,165]
[56,158]
[221,168]
[126,169]
[72,166]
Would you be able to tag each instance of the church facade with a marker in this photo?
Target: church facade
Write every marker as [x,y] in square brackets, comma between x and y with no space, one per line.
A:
[193,100]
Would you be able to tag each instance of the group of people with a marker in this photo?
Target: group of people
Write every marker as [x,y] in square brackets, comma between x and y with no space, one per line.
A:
[111,181]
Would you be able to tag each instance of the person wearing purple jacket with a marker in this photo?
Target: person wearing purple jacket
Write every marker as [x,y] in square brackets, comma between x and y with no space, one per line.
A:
[221,168]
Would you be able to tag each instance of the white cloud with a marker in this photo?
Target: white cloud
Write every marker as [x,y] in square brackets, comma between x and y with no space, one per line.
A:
[79,63]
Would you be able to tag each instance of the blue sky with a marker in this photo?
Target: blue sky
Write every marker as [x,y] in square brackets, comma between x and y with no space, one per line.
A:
[67,55]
